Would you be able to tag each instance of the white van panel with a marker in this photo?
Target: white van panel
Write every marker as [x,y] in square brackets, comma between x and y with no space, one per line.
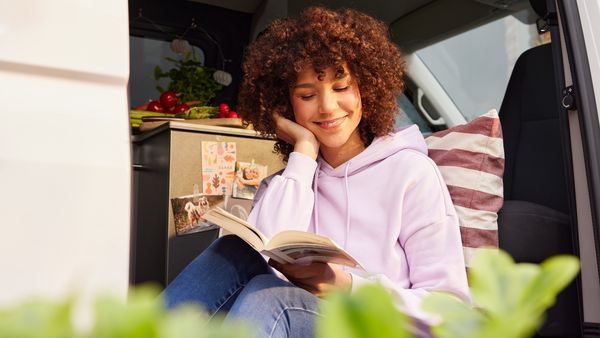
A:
[65,163]
[589,12]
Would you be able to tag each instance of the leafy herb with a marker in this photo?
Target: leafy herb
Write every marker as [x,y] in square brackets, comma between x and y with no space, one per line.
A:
[190,79]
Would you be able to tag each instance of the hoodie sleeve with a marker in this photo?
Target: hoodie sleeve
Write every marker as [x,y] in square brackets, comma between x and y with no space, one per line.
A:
[286,201]
[430,238]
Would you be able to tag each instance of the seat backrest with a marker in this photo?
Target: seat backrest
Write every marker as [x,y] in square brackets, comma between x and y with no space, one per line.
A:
[534,168]
[536,203]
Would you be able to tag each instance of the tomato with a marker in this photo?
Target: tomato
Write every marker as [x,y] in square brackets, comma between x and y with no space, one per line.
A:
[180,108]
[168,99]
[155,106]
[223,107]
[222,114]
[232,115]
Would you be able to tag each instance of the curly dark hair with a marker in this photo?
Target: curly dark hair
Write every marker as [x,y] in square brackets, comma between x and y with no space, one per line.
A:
[322,38]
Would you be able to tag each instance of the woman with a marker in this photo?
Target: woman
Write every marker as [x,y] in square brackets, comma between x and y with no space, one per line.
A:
[325,84]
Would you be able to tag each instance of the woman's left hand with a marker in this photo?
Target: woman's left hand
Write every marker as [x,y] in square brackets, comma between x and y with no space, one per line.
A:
[317,278]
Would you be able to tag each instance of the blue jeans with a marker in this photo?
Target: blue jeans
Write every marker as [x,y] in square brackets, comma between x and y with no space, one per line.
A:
[230,277]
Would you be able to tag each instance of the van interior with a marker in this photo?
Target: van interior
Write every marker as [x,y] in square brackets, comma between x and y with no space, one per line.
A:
[464,58]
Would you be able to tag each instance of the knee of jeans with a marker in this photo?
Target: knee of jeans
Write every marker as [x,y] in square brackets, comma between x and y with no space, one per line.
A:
[269,301]
[227,241]
[268,289]
[230,244]
[265,281]
[261,289]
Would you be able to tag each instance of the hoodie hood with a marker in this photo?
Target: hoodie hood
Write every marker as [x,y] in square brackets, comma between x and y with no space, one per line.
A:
[379,149]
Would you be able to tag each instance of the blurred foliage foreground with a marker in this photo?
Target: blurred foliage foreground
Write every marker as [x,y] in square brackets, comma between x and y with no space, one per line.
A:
[509,301]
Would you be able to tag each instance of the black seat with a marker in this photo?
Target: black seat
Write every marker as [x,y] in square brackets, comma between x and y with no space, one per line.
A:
[534,167]
[535,193]
[534,222]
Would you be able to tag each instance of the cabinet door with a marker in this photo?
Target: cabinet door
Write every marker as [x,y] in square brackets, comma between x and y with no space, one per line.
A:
[186,171]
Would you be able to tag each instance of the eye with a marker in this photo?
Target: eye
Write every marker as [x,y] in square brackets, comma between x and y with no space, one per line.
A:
[341,89]
[306,97]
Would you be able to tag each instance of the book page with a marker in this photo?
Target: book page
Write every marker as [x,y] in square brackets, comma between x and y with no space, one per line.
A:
[292,237]
[237,226]
[226,214]
[308,254]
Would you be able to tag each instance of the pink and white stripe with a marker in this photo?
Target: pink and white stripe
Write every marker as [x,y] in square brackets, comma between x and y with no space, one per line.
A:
[471,160]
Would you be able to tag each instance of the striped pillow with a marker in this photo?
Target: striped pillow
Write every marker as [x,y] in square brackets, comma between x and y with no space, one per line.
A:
[471,160]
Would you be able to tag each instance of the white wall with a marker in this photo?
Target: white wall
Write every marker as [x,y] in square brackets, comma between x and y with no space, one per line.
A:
[64,148]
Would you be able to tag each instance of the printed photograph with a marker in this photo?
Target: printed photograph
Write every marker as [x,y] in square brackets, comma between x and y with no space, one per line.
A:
[188,212]
[247,179]
[218,167]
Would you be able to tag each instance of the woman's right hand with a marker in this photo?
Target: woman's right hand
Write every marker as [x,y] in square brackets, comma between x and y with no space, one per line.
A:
[303,140]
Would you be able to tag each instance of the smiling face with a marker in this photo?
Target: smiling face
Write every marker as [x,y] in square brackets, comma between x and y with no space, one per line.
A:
[250,173]
[328,104]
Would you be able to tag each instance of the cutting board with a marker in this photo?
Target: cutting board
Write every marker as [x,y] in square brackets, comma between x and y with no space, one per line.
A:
[152,123]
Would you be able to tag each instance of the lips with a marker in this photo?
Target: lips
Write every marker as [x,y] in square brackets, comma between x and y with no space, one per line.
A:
[330,124]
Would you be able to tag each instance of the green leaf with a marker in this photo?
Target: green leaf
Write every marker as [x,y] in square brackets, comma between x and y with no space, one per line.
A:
[556,273]
[136,318]
[172,60]
[492,280]
[513,326]
[510,298]
[460,319]
[38,318]
[190,79]
[369,312]
[183,322]
[157,73]
[189,321]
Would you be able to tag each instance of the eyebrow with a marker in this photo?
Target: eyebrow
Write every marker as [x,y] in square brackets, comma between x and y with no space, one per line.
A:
[304,85]
[310,85]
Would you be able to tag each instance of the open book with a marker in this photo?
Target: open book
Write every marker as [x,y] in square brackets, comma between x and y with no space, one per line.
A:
[290,246]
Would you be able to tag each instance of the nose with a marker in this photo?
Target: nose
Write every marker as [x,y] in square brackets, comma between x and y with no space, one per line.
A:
[327,103]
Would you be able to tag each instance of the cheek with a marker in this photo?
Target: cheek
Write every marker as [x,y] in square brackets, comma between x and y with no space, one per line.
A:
[352,102]
[301,111]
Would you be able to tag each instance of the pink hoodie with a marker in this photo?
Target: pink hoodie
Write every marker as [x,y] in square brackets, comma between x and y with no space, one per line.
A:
[388,207]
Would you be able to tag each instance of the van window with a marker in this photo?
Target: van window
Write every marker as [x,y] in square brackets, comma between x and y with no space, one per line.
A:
[145,55]
[475,77]
[409,115]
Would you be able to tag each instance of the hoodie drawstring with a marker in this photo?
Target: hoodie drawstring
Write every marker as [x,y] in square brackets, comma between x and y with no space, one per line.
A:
[347,205]
[316,197]
[347,191]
